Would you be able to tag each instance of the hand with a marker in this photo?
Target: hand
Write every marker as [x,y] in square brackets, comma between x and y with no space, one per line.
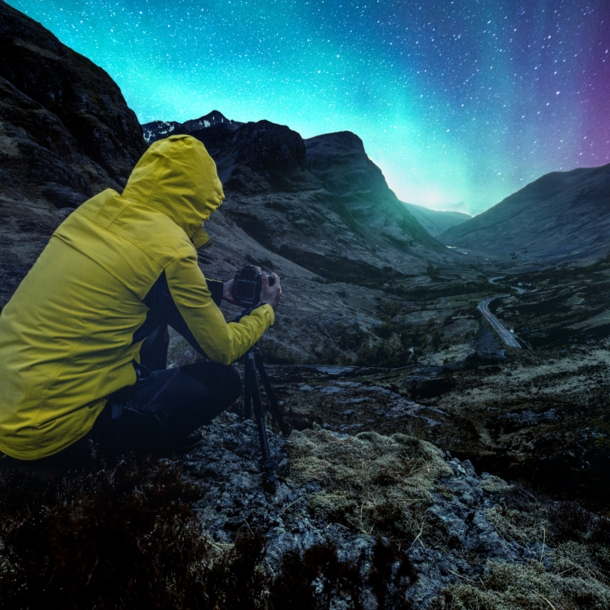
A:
[271,294]
[227,291]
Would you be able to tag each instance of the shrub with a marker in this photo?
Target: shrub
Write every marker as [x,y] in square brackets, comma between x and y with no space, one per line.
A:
[117,537]
[310,580]
[127,536]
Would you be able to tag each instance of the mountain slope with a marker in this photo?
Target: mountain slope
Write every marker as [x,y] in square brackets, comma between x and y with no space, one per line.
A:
[69,95]
[66,133]
[560,216]
[340,161]
[321,202]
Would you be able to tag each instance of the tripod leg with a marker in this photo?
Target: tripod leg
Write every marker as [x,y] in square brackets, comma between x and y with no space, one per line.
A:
[252,388]
[275,408]
[248,373]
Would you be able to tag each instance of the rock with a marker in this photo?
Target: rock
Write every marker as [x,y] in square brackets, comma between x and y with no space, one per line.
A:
[66,133]
[82,99]
[321,203]
[347,490]
[363,197]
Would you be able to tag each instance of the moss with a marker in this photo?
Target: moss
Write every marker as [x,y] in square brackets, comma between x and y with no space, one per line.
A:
[530,586]
[571,572]
[370,483]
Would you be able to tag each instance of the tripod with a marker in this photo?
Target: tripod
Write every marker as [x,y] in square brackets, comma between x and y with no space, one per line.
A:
[252,397]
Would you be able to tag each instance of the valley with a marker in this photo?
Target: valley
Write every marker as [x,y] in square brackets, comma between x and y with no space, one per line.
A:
[538,413]
[416,355]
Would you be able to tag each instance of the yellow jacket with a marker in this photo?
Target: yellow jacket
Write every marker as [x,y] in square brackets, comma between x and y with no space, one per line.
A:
[66,336]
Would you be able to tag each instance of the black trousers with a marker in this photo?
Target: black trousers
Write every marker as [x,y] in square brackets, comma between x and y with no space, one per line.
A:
[165,405]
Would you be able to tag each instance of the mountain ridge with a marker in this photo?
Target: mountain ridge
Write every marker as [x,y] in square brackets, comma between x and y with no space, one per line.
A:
[436,222]
[314,195]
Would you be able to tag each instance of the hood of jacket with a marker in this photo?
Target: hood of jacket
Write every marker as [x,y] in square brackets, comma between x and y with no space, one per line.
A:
[177,176]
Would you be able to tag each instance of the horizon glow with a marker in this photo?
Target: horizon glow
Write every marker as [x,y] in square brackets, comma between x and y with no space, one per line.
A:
[460,102]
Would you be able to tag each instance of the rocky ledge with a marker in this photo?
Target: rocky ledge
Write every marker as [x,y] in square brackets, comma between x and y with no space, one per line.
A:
[356,521]
[472,538]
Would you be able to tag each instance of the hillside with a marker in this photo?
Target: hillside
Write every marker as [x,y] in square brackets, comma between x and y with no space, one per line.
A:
[66,133]
[561,216]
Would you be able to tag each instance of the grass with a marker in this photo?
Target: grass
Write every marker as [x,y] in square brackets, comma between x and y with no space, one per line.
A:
[572,571]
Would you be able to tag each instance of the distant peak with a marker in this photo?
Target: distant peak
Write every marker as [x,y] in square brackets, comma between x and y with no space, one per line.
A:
[216,117]
[212,118]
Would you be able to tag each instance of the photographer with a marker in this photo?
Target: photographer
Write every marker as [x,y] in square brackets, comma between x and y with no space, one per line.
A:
[83,341]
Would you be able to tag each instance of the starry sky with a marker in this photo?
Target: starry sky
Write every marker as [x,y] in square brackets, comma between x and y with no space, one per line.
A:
[459,102]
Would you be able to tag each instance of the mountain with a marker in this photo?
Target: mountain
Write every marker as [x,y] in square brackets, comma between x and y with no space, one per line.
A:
[320,202]
[61,113]
[561,216]
[318,211]
[435,222]
[66,133]
[340,161]
[156,130]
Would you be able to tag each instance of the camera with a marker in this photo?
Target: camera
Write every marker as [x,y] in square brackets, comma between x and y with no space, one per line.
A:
[247,285]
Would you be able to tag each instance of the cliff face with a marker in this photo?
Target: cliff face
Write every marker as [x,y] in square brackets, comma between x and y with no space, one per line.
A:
[70,94]
[65,134]
[341,163]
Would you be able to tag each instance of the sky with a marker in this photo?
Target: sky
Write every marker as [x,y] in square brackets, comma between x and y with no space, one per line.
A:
[459,102]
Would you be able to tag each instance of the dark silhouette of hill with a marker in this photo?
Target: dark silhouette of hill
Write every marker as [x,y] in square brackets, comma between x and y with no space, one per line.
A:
[66,133]
[67,129]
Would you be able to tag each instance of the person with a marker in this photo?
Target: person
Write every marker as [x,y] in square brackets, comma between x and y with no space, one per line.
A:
[83,340]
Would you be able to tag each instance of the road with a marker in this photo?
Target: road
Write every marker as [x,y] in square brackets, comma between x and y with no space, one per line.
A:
[505,335]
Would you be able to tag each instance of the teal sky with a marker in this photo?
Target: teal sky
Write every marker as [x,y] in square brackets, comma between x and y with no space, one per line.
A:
[459,102]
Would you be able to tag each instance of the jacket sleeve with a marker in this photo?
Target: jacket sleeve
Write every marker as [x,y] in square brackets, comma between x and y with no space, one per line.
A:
[222,342]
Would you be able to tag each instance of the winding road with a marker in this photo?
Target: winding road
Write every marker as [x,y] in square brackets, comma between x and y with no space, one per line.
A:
[505,335]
